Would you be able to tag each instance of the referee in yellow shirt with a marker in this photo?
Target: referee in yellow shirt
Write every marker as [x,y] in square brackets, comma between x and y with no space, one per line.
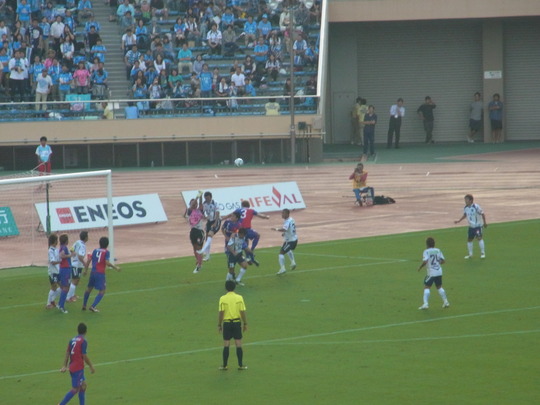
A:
[232,314]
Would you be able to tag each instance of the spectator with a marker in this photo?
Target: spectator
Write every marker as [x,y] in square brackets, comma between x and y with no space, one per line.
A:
[123,8]
[299,48]
[214,39]
[192,31]
[159,9]
[127,21]
[239,81]
[108,113]
[495,108]
[222,90]
[150,74]
[261,52]
[131,112]
[68,50]
[167,50]
[46,33]
[43,88]
[49,13]
[206,82]
[248,67]
[229,42]
[81,77]
[99,83]
[92,37]
[85,9]
[154,92]
[264,27]
[129,39]
[54,71]
[99,50]
[184,58]
[250,32]
[146,11]
[175,79]
[179,32]
[57,30]
[227,18]
[163,82]
[159,64]
[198,65]
[272,108]
[249,88]
[24,12]
[92,23]
[130,58]
[65,80]
[272,67]
[275,44]
[139,90]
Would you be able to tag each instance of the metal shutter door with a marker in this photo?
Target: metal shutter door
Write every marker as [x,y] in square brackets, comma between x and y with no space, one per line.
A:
[414,59]
[522,78]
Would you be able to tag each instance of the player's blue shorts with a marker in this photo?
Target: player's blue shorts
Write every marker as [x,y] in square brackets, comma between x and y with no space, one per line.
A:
[232,260]
[65,274]
[475,232]
[97,281]
[429,281]
[251,234]
[77,378]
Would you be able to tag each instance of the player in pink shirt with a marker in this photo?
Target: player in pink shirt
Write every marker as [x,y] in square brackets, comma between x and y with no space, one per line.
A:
[100,262]
[195,216]
[74,362]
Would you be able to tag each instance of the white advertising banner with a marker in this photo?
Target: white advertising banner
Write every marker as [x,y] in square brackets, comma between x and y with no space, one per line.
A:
[92,213]
[262,197]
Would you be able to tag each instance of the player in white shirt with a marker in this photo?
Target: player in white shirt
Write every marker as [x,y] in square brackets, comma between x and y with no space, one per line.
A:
[54,271]
[290,240]
[236,246]
[433,258]
[477,220]
[78,263]
[213,223]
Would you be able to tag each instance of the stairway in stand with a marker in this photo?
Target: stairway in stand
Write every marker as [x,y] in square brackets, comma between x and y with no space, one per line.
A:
[111,36]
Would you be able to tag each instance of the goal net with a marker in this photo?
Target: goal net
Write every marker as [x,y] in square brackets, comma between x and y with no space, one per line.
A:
[32,207]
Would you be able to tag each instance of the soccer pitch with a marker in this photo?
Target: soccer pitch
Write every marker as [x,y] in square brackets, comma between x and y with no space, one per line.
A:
[343,328]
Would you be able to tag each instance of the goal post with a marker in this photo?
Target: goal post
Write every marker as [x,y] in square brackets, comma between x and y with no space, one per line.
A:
[28,202]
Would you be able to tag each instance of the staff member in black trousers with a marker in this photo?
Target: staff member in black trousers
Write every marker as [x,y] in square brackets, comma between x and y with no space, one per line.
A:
[397,111]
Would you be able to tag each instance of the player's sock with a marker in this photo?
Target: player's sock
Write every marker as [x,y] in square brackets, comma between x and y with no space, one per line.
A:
[291,256]
[241,274]
[470,248]
[82,397]
[251,256]
[71,291]
[229,277]
[225,355]
[442,293]
[62,301]
[51,296]
[281,261]
[57,293]
[426,296]
[240,355]
[255,242]
[482,246]
[86,296]
[98,298]
[207,245]
[67,398]
[199,258]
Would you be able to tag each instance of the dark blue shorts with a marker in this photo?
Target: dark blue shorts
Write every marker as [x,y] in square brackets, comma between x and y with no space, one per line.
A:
[77,378]
[65,274]
[97,281]
[429,281]
[475,125]
[251,234]
[475,233]
[232,260]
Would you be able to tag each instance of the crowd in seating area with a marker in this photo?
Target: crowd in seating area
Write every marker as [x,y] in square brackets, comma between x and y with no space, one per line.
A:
[50,50]
[171,48]
[221,49]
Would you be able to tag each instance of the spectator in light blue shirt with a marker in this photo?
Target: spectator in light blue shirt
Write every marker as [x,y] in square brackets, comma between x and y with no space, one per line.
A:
[264,27]
[250,32]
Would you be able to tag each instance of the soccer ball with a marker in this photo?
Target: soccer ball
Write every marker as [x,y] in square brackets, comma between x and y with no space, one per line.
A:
[239,162]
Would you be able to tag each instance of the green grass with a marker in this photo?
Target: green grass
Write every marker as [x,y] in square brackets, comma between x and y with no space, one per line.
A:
[343,328]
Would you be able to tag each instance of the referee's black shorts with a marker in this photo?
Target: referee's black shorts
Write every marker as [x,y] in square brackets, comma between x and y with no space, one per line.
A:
[232,330]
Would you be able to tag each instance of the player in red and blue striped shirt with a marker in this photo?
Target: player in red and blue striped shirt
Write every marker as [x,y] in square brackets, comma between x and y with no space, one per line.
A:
[74,361]
[100,261]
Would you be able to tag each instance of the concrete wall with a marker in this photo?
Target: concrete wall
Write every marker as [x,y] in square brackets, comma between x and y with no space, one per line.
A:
[390,10]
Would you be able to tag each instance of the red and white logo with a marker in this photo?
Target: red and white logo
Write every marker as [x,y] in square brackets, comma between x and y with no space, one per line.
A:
[65,216]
